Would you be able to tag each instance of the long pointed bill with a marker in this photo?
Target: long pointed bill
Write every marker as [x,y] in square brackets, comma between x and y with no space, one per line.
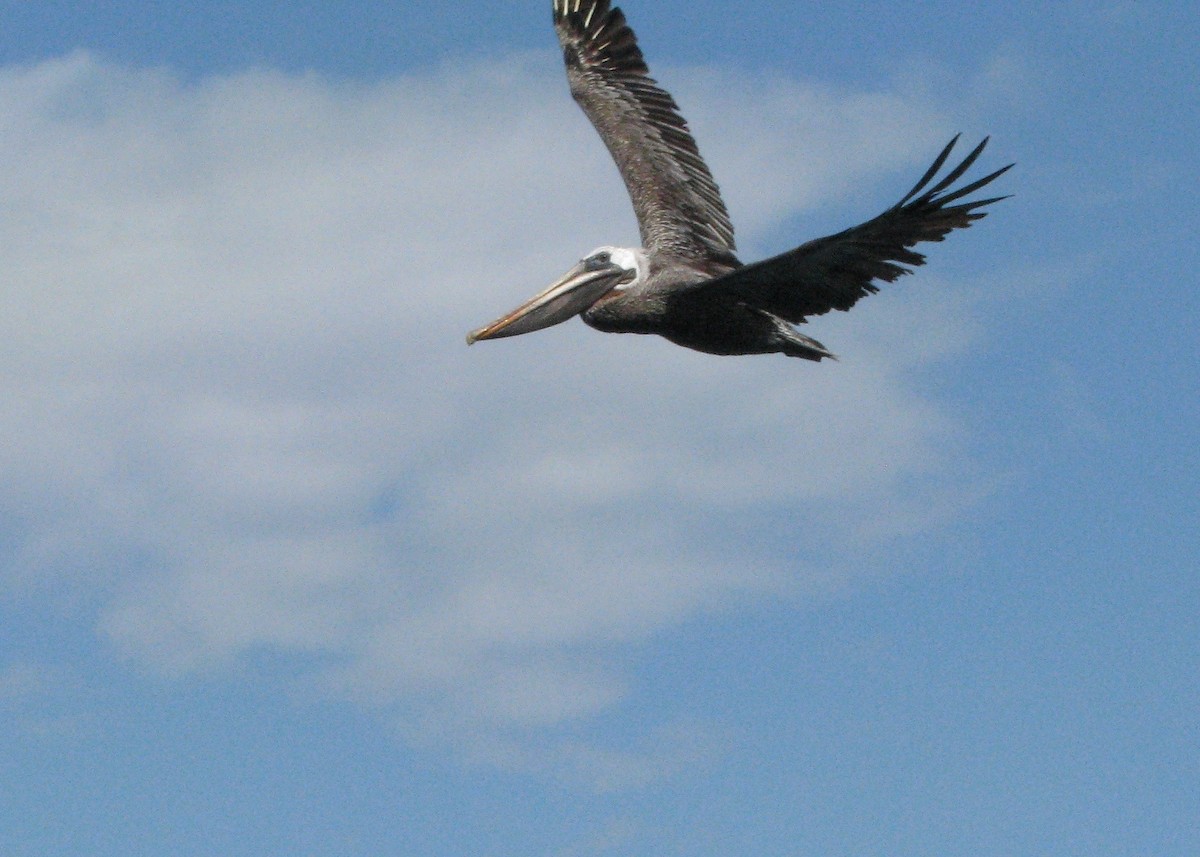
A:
[574,292]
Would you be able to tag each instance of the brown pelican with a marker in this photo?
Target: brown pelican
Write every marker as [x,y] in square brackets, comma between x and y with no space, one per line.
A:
[684,282]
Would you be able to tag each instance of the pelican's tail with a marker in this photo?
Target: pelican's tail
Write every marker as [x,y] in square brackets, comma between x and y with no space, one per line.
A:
[786,339]
[798,345]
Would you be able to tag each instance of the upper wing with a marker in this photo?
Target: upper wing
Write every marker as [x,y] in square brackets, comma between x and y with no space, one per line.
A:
[835,271]
[678,206]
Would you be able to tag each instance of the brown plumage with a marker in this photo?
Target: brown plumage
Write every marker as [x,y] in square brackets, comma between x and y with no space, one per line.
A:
[685,282]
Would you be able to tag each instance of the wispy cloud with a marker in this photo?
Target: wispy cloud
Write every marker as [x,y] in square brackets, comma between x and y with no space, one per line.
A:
[239,413]
[36,701]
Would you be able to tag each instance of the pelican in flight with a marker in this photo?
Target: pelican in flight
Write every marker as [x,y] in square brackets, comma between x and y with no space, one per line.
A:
[685,282]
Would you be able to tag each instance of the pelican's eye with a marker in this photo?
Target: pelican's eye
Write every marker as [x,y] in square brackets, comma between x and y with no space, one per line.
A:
[600,260]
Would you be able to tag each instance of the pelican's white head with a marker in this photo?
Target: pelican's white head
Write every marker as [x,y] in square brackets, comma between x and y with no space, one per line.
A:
[597,274]
[631,260]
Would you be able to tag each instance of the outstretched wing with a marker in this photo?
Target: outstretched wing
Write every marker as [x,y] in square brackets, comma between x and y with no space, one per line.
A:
[835,271]
[678,206]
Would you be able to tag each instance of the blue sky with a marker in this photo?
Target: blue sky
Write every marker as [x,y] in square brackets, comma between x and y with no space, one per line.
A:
[287,569]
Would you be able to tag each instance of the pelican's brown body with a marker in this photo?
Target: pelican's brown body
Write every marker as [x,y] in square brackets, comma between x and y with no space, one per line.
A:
[685,282]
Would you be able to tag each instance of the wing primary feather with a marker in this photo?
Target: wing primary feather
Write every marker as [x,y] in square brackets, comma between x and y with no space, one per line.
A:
[974,186]
[931,172]
[956,173]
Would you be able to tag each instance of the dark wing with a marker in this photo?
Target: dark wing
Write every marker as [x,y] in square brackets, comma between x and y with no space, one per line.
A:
[835,271]
[678,206]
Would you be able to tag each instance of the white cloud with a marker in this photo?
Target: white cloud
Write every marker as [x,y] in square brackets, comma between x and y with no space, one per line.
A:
[239,411]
